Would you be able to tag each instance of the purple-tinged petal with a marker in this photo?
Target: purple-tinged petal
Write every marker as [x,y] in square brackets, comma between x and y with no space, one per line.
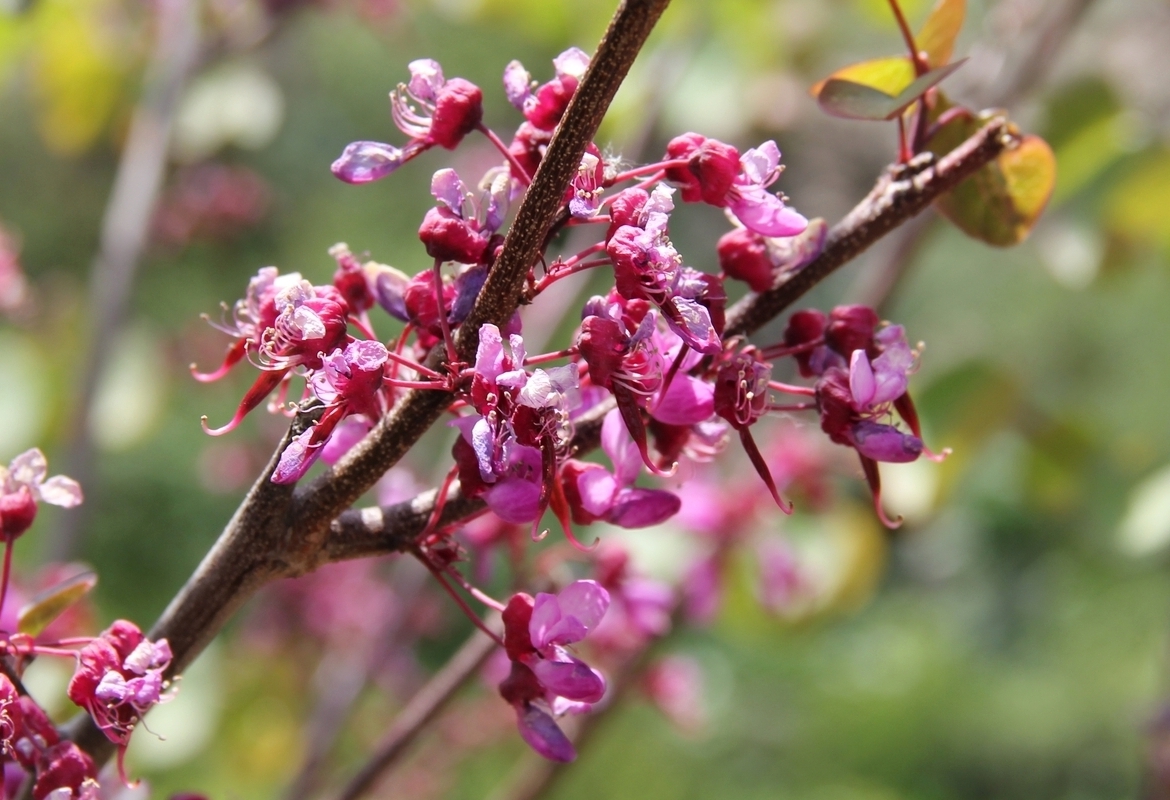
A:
[349,432]
[571,678]
[546,613]
[296,459]
[362,162]
[448,188]
[861,382]
[112,688]
[29,468]
[621,448]
[515,500]
[517,84]
[765,213]
[692,322]
[61,491]
[759,164]
[489,358]
[573,61]
[641,508]
[516,341]
[687,401]
[542,734]
[467,288]
[483,442]
[586,600]
[597,487]
[426,78]
[389,286]
[885,442]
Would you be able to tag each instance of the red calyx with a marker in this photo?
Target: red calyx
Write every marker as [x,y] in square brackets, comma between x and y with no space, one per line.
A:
[744,256]
[17,511]
[711,171]
[551,100]
[458,110]
[517,614]
[448,237]
[851,328]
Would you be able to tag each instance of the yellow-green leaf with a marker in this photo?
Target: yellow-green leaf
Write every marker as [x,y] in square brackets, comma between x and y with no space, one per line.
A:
[888,75]
[844,98]
[46,606]
[1000,203]
[938,34]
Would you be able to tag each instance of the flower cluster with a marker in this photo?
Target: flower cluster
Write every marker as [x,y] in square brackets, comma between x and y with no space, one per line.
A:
[650,355]
[546,679]
[119,675]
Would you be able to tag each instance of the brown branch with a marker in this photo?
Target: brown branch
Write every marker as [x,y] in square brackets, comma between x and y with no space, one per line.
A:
[418,713]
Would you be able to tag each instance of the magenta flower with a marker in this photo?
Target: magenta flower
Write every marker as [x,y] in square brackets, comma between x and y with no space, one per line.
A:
[119,677]
[508,449]
[23,484]
[429,109]
[349,383]
[586,187]
[66,772]
[547,681]
[751,203]
[461,226]
[594,493]
[544,106]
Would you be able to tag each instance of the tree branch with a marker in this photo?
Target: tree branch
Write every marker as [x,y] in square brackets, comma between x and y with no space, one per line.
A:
[418,713]
[325,498]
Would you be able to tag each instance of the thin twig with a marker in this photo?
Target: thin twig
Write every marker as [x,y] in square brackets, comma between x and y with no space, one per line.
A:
[422,708]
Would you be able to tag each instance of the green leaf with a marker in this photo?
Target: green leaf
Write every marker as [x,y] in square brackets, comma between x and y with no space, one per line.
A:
[938,34]
[1000,203]
[46,606]
[889,75]
[851,100]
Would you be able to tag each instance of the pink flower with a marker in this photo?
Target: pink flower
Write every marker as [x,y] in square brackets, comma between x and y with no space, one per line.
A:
[595,493]
[119,678]
[547,681]
[544,106]
[23,484]
[429,109]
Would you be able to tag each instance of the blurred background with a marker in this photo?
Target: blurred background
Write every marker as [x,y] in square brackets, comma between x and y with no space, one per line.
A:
[1010,641]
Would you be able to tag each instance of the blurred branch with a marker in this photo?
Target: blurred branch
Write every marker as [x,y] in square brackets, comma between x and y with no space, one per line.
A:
[272,536]
[418,713]
[125,228]
[344,672]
